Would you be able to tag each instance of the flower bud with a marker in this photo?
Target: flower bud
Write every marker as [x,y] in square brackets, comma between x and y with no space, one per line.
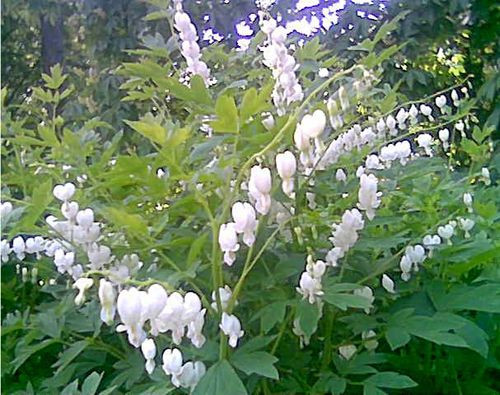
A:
[388,284]
[148,349]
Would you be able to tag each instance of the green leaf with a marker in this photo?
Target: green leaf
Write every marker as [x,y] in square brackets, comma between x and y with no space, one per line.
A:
[220,379]
[227,115]
[370,389]
[71,389]
[151,130]
[134,224]
[40,199]
[196,248]
[254,103]
[308,315]
[197,93]
[335,295]
[485,298]
[390,380]
[271,314]
[259,362]
[199,90]
[69,354]
[155,15]
[330,383]
[256,343]
[343,301]
[27,351]
[390,26]
[108,391]
[397,337]
[55,79]
[91,383]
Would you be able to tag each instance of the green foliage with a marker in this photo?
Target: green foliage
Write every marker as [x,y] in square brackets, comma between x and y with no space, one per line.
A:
[139,145]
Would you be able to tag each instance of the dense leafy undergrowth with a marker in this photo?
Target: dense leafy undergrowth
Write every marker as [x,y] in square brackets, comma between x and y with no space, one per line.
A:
[277,221]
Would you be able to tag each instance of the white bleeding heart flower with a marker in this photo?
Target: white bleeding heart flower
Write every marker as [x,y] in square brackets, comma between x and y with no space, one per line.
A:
[430,242]
[415,253]
[286,164]
[82,284]
[485,174]
[401,117]
[260,178]
[446,232]
[315,268]
[192,306]
[444,136]
[323,72]
[340,175]
[391,124]
[107,297]
[157,300]
[5,210]
[313,124]
[268,122]
[195,328]
[259,187]
[245,221]
[388,284]
[172,361]
[300,139]
[231,327]
[405,265]
[309,287]
[69,210]
[369,339]
[64,261]
[64,192]
[99,255]
[85,218]
[369,198]
[191,373]
[466,224]
[225,296]
[347,351]
[129,306]
[381,126]
[373,162]
[148,349]
[467,198]
[426,110]
[19,247]
[35,245]
[367,293]
[5,250]
[228,242]
[172,317]
[441,101]
[425,140]
[413,112]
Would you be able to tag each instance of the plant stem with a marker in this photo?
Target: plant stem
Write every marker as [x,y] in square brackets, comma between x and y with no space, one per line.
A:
[327,352]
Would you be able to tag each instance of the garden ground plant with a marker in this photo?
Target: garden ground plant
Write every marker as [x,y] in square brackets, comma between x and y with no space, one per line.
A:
[280,220]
